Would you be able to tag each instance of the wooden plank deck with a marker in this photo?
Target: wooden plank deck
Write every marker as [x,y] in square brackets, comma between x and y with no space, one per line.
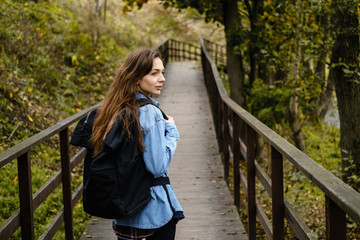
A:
[196,171]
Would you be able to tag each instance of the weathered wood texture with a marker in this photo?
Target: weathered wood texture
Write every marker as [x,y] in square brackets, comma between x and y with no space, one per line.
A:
[196,171]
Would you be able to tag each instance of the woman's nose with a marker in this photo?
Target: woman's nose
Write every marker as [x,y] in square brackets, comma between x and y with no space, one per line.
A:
[162,78]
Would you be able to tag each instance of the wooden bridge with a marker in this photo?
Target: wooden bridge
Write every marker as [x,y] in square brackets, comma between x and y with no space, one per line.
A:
[214,138]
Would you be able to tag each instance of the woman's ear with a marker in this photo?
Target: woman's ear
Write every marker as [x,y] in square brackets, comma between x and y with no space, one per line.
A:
[138,88]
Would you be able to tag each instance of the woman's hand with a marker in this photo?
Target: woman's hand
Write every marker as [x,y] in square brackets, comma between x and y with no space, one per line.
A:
[170,119]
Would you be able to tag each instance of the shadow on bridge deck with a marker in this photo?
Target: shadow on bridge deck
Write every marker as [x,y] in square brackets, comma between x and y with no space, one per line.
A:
[196,171]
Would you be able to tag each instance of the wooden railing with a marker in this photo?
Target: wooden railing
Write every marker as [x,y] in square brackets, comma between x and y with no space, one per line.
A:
[29,202]
[217,53]
[173,50]
[230,122]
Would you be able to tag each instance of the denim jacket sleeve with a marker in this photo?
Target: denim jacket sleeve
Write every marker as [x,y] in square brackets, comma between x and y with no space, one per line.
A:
[160,140]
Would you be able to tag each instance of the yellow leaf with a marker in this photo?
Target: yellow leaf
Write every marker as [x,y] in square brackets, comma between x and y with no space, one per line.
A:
[18,38]
[15,179]
[78,109]
[316,27]
[29,89]
[74,59]
[99,74]
[68,76]
[30,119]
[79,103]
[41,35]
[29,104]
[37,29]
[11,95]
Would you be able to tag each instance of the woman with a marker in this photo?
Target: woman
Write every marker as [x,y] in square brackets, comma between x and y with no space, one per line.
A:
[139,77]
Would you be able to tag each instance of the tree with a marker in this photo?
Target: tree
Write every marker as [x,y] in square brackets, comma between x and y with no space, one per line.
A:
[345,69]
[324,101]
[225,12]
[294,111]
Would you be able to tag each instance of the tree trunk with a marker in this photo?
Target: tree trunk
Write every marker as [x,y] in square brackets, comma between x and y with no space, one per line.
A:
[235,68]
[98,4]
[324,102]
[294,114]
[253,9]
[345,64]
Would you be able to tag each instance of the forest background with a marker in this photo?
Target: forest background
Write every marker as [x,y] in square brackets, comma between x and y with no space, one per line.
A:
[58,57]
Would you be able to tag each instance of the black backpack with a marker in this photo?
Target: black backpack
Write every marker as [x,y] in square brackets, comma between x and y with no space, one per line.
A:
[116,182]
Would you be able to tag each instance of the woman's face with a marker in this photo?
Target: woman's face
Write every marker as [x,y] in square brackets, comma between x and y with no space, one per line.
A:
[152,82]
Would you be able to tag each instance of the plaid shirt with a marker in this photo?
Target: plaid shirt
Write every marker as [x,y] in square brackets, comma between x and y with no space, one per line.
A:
[125,232]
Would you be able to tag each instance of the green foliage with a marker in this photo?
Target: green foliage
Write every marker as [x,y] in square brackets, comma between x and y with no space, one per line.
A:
[212,10]
[269,103]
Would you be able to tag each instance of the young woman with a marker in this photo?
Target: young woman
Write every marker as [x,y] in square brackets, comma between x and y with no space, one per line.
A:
[139,77]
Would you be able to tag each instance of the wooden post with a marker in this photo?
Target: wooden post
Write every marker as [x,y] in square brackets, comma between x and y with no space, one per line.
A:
[236,154]
[277,194]
[216,112]
[250,159]
[66,181]
[26,198]
[225,140]
[335,220]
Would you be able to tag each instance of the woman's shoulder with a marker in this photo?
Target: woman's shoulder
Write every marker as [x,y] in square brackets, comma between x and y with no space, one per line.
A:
[151,110]
[149,116]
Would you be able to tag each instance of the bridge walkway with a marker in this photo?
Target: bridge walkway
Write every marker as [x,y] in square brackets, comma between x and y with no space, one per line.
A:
[196,171]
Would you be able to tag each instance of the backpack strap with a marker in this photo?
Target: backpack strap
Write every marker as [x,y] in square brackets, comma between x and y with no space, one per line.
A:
[160,181]
[146,101]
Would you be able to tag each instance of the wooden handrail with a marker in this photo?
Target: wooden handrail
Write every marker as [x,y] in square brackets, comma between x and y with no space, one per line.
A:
[25,146]
[341,199]
[23,217]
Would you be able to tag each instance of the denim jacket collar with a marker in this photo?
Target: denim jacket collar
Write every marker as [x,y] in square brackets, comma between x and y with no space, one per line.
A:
[140,95]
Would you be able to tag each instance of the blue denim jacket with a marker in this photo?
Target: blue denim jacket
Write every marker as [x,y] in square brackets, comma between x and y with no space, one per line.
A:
[159,150]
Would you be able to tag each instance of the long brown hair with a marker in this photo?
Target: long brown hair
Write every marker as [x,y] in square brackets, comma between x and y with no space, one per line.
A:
[121,97]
